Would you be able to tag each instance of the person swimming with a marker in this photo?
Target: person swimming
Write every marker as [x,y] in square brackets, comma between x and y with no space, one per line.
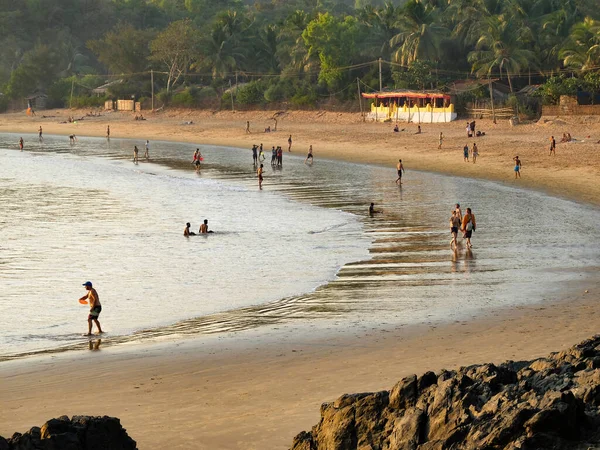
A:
[187,231]
[204,227]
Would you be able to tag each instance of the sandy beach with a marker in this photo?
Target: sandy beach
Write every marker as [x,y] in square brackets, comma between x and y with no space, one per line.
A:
[257,389]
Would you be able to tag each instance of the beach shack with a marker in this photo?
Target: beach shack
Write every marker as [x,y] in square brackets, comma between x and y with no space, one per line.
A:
[410,106]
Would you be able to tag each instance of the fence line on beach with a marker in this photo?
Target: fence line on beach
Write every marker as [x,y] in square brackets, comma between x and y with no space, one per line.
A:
[488,113]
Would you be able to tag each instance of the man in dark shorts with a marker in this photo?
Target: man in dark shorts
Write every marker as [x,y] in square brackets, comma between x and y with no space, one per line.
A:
[255,154]
[400,169]
[309,156]
[95,307]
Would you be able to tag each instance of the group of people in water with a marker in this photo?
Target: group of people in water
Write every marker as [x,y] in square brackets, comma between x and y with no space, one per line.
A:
[203,229]
[466,224]
[146,152]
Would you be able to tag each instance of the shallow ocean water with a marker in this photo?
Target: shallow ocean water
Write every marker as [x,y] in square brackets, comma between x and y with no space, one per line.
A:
[302,249]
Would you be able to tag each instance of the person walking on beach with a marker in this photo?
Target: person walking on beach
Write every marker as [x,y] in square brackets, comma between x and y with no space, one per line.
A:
[468,226]
[309,156]
[135,154]
[247,127]
[458,211]
[95,307]
[21,143]
[552,146]
[466,153]
[147,150]
[455,224]
[441,140]
[40,134]
[475,152]
[259,172]
[107,131]
[290,143]
[517,167]
[400,169]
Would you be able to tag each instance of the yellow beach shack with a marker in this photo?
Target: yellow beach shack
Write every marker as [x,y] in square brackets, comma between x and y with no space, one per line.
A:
[410,106]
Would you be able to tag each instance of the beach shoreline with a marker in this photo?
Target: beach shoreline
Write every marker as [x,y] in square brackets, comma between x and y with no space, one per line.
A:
[258,388]
[573,173]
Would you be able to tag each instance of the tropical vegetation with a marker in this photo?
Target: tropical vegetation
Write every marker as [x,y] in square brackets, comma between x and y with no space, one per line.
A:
[200,52]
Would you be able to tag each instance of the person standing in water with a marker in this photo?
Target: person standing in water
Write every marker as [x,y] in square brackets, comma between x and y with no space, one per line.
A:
[254,154]
[107,131]
[400,169]
[147,150]
[273,156]
[517,167]
[468,226]
[135,154]
[40,134]
[259,173]
[309,156]
[95,307]
[21,143]
[458,211]
[261,154]
[454,226]
[290,143]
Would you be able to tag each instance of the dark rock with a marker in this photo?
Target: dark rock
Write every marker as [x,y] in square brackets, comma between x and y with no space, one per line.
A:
[78,433]
[3,443]
[548,403]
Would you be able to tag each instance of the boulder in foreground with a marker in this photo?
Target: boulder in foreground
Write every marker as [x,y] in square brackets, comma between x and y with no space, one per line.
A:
[77,433]
[548,403]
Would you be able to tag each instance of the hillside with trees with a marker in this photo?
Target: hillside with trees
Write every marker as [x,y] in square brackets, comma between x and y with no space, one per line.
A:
[301,52]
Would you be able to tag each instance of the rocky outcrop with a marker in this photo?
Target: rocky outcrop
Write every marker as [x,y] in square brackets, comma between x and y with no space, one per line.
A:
[548,403]
[77,433]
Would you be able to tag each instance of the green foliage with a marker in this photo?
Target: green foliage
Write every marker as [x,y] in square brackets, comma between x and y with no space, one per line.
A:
[554,87]
[419,75]
[252,93]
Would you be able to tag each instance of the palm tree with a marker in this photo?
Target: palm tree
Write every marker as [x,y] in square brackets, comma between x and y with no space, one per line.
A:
[381,24]
[582,48]
[420,34]
[500,46]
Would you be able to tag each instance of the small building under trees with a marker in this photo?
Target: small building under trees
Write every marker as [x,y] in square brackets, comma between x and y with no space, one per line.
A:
[410,106]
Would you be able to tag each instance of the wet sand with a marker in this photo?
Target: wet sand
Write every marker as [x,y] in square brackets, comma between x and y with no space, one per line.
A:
[258,388]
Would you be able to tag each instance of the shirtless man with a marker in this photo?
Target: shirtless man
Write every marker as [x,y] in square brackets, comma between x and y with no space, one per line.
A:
[147,150]
[458,211]
[400,169]
[40,134]
[107,131]
[290,143]
[552,146]
[455,224]
[309,156]
[372,209]
[95,307]
[135,154]
[72,139]
[21,143]
[204,227]
[187,232]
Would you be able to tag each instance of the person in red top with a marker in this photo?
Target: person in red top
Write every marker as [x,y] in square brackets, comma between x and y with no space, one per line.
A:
[468,226]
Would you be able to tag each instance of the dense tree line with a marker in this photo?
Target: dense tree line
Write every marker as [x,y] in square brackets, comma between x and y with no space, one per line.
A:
[297,51]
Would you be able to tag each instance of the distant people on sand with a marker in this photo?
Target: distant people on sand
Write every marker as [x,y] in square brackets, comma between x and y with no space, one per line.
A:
[259,173]
[204,227]
[466,153]
[247,127]
[468,226]
[455,224]
[21,143]
[147,150]
[475,152]
[566,137]
[95,307]
[418,129]
[135,154]
[552,146]
[107,131]
[309,156]
[41,139]
[290,143]
[517,166]
[187,232]
[441,140]
[400,170]
[396,129]
[469,133]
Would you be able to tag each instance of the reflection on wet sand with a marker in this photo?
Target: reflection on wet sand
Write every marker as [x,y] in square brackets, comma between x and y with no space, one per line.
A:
[412,274]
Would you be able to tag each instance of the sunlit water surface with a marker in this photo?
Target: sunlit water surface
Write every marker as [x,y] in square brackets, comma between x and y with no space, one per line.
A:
[304,248]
